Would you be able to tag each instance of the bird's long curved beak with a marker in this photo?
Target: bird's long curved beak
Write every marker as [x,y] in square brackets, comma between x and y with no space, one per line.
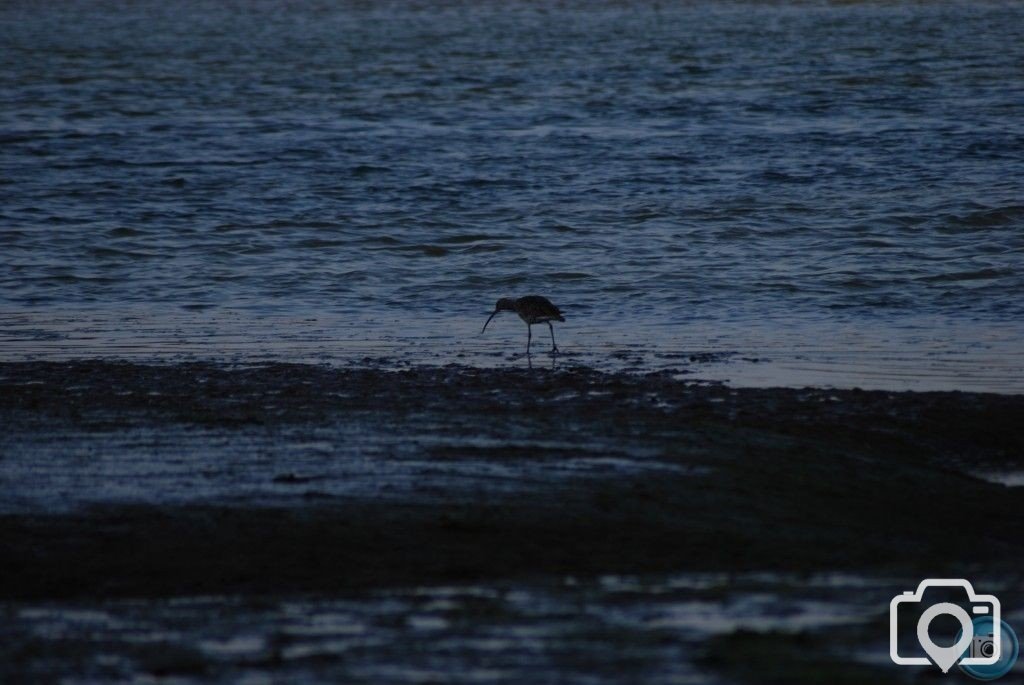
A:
[488,321]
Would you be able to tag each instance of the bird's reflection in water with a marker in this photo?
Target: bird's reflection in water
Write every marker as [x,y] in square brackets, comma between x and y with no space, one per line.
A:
[554,361]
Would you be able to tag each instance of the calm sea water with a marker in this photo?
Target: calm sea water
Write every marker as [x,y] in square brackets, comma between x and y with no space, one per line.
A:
[841,184]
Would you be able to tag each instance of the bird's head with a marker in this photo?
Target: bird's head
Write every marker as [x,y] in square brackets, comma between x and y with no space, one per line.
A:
[505,304]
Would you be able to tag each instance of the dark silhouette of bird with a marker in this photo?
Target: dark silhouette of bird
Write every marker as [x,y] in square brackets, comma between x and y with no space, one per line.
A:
[531,309]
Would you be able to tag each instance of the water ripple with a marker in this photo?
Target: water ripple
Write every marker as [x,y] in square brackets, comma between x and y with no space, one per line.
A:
[653,162]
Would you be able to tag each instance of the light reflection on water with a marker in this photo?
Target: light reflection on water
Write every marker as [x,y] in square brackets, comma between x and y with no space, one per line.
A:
[580,630]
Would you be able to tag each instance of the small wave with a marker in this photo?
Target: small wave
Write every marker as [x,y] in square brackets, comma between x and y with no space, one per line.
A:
[978,275]
[137,112]
[72,278]
[493,281]
[367,169]
[427,250]
[124,232]
[486,247]
[569,276]
[116,253]
[876,242]
[315,243]
[560,227]
[381,240]
[10,236]
[494,182]
[778,286]
[466,238]
[782,177]
[986,218]
[858,283]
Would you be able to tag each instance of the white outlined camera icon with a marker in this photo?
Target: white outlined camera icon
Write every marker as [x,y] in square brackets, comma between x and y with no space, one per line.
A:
[946,657]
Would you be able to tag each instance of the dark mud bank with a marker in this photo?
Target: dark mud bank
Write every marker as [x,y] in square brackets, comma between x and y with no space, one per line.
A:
[688,477]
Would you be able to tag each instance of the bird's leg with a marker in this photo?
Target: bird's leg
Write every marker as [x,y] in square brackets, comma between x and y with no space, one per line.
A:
[529,337]
[554,347]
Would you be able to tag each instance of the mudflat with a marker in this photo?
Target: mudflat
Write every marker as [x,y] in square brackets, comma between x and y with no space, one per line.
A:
[136,480]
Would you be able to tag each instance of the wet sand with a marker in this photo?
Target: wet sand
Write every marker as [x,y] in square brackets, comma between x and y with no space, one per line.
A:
[500,474]
[922,353]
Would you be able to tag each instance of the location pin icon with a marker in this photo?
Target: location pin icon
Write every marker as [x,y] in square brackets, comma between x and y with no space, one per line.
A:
[945,657]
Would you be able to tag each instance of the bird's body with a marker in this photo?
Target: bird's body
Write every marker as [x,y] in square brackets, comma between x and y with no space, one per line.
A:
[531,309]
[537,309]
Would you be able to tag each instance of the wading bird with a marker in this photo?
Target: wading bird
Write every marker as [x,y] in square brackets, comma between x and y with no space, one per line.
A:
[531,309]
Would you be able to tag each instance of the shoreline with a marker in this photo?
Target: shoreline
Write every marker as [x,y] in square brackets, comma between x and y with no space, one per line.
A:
[917,353]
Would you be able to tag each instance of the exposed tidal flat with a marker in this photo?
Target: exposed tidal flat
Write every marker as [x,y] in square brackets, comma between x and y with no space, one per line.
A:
[214,522]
